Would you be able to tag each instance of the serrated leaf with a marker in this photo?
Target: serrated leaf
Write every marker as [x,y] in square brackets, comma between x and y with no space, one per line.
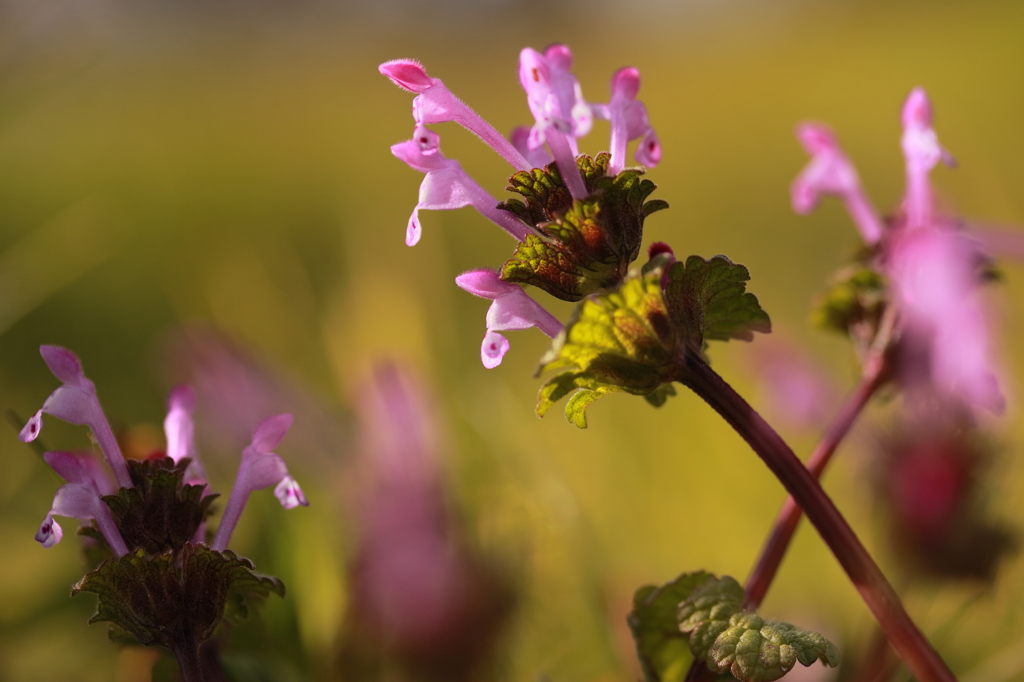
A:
[619,341]
[662,649]
[584,246]
[159,601]
[159,513]
[708,301]
[753,649]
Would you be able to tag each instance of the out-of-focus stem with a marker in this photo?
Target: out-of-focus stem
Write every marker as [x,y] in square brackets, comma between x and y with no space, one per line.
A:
[187,653]
[879,596]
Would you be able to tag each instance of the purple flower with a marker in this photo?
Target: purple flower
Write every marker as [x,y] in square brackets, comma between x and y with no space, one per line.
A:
[561,115]
[935,270]
[447,186]
[410,558]
[260,468]
[830,172]
[80,499]
[629,121]
[512,309]
[558,108]
[434,103]
[75,401]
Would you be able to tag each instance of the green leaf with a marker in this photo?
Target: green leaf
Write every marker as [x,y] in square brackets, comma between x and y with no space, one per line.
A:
[581,247]
[854,303]
[159,513]
[662,649]
[158,600]
[753,649]
[707,301]
[619,341]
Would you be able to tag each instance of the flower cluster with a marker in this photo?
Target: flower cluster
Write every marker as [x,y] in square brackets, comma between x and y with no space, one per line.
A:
[932,266]
[152,515]
[581,224]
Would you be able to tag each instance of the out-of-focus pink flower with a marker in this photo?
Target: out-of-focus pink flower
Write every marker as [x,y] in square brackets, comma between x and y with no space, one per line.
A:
[830,172]
[928,478]
[934,269]
[922,152]
[934,272]
[417,590]
[797,392]
[447,186]
[512,309]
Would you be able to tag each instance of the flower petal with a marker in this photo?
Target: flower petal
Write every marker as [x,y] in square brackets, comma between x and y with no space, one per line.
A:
[408,74]
[269,434]
[289,494]
[81,469]
[493,349]
[50,532]
[178,427]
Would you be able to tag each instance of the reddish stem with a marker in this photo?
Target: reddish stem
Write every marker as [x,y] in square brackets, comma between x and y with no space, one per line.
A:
[918,655]
[775,546]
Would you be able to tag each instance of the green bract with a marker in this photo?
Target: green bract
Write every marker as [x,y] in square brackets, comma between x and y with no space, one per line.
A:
[708,612]
[160,512]
[583,246]
[158,601]
[636,338]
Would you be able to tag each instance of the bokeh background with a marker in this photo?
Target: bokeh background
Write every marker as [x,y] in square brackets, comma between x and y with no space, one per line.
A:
[204,192]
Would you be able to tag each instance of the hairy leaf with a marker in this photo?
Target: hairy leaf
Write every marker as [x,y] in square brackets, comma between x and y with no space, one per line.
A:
[662,649]
[584,246]
[708,301]
[619,341]
[753,649]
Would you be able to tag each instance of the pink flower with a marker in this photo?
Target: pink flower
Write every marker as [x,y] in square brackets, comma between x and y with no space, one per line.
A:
[830,172]
[75,401]
[934,272]
[447,186]
[512,309]
[558,108]
[409,558]
[260,468]
[434,103]
[80,499]
[629,121]
[934,269]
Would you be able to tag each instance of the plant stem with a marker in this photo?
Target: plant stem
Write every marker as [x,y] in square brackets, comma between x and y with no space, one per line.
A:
[919,656]
[775,546]
[187,653]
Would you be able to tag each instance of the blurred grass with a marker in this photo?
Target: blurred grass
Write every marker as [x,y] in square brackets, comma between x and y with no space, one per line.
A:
[230,168]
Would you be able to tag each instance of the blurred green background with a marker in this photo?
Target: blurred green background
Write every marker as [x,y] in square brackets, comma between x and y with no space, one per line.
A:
[182,183]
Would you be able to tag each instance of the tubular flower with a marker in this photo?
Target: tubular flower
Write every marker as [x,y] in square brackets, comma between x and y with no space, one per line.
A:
[447,186]
[76,401]
[512,309]
[629,121]
[260,468]
[80,499]
[935,270]
[561,115]
[830,172]
[578,219]
[124,514]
